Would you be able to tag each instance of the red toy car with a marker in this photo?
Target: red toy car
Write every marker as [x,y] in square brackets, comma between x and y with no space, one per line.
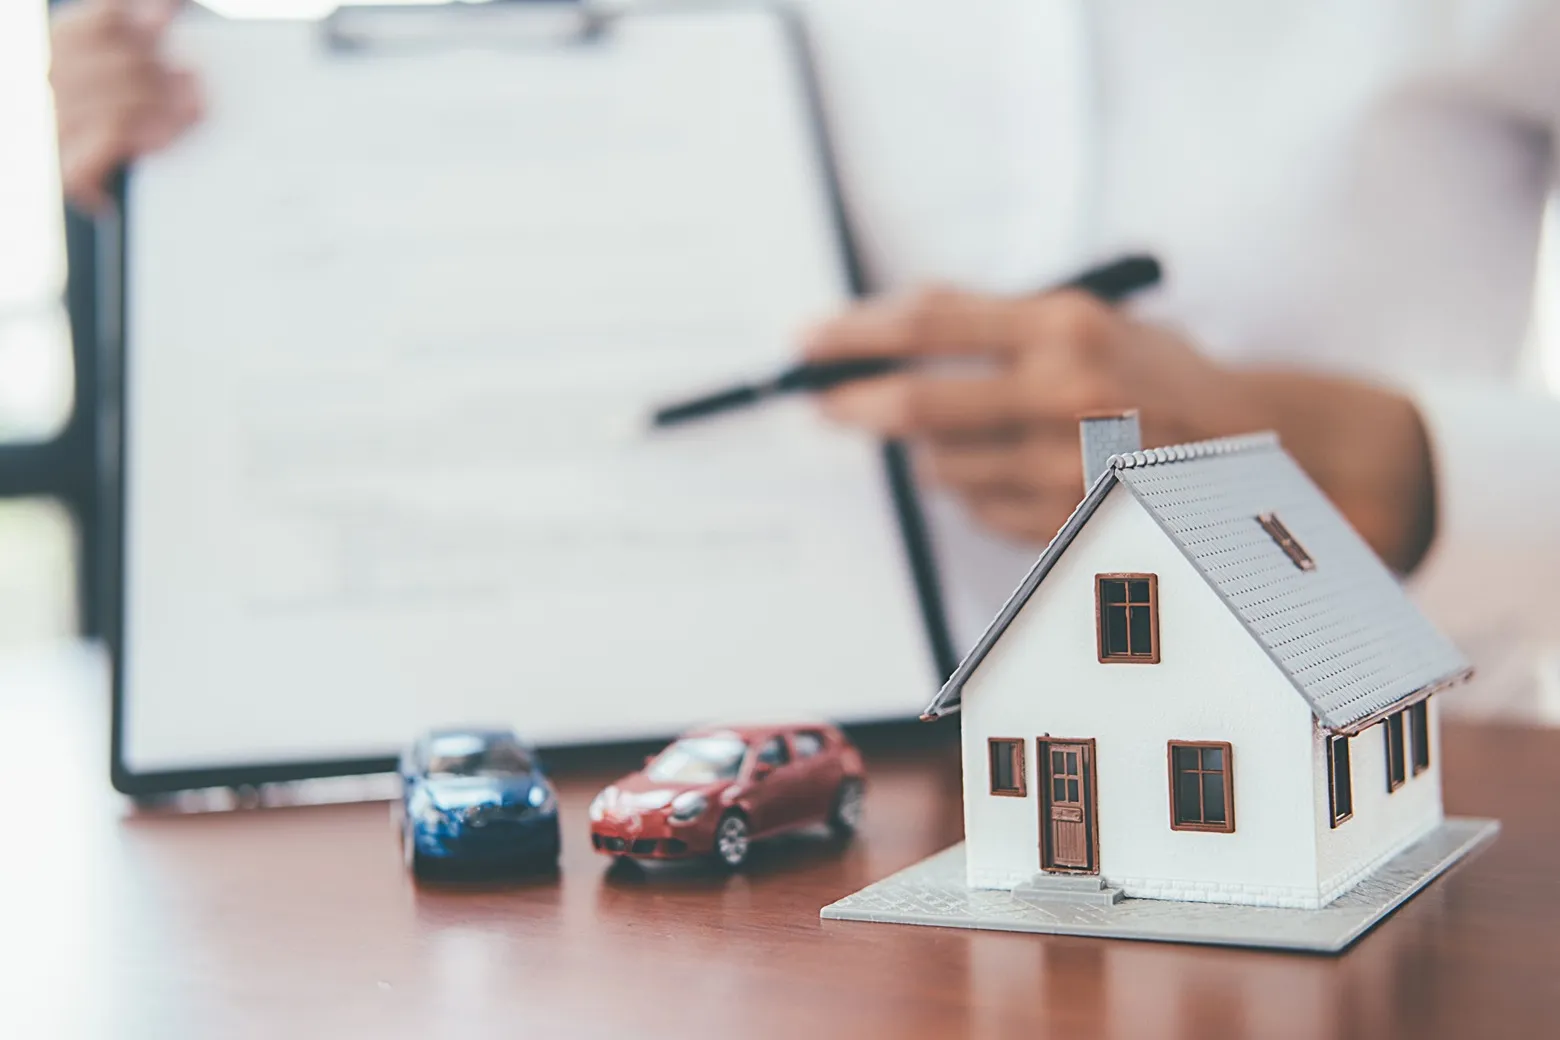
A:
[716,789]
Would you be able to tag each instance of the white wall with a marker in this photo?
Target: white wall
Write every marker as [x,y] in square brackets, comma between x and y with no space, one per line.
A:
[1383,823]
[1214,682]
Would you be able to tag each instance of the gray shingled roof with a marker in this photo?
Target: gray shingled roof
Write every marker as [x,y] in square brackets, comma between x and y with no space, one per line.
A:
[1345,633]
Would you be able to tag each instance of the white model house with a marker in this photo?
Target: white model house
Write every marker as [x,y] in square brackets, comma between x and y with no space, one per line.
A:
[1208,688]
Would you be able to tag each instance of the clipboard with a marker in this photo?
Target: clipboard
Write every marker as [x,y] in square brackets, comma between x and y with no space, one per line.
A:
[142,477]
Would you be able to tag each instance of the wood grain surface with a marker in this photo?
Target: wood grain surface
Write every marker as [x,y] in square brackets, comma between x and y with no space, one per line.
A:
[300,922]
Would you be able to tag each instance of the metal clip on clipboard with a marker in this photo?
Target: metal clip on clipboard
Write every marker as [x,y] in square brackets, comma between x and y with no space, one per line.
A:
[487,24]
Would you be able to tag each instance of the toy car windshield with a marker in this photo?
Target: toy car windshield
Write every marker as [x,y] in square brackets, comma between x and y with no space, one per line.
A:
[698,760]
[470,756]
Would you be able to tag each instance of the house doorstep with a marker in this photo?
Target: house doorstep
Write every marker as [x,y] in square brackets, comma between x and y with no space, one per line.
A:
[1089,889]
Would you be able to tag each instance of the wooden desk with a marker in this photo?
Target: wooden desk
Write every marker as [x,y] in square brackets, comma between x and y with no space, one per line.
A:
[299,922]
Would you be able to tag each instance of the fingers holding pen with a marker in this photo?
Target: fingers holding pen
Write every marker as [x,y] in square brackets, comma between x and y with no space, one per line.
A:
[980,361]
[991,402]
[925,402]
[927,322]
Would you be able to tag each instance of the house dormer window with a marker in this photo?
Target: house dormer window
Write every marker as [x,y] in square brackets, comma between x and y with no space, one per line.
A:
[1126,607]
[1286,541]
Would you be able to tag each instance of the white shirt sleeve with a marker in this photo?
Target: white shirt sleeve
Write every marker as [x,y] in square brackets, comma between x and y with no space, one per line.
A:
[1492,568]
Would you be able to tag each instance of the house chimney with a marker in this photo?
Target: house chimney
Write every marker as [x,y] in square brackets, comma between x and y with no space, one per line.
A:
[1104,435]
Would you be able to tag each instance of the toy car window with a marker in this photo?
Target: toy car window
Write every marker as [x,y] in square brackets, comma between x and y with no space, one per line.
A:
[807,743]
[463,756]
[774,752]
[698,760]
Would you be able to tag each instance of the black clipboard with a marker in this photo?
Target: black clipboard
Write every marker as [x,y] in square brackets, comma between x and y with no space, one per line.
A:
[579,24]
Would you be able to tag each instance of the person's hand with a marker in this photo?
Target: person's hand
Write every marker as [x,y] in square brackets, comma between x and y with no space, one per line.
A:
[114,96]
[997,424]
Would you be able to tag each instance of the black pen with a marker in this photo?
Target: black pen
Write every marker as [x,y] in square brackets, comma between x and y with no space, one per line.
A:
[1110,282]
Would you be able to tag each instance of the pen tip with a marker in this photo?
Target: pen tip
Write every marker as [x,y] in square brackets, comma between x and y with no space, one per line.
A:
[673,415]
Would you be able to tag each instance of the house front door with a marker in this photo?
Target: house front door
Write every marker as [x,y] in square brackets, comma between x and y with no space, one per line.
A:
[1068,831]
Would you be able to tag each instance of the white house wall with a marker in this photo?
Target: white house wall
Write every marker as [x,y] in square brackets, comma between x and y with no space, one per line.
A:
[1382,824]
[1213,683]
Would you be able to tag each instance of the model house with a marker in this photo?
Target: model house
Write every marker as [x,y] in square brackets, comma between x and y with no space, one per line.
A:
[1208,688]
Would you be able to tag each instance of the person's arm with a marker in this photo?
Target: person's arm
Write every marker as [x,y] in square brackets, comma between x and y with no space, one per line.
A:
[1004,438]
[115,97]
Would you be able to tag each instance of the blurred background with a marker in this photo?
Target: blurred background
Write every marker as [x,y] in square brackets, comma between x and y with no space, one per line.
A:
[39,540]
[37,535]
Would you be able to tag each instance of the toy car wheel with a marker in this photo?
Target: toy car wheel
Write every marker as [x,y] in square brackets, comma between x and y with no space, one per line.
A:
[545,861]
[415,861]
[732,841]
[845,817]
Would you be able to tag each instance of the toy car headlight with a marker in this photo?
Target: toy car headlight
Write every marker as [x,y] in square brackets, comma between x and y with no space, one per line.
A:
[598,807]
[689,806]
[541,797]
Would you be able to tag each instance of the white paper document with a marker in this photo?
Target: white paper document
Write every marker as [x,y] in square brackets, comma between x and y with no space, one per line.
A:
[395,322]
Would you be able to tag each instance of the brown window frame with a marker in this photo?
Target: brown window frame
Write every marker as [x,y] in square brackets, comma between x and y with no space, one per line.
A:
[1419,736]
[1016,752]
[1228,774]
[1153,618]
[1397,751]
[1335,817]
[1286,541]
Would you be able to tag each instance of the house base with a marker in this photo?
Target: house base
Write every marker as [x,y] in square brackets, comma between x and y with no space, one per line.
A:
[934,892]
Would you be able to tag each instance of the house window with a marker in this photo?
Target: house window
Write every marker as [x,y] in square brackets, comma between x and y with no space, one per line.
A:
[1419,731]
[1202,791]
[1127,611]
[1007,766]
[1392,730]
[1286,541]
[1340,788]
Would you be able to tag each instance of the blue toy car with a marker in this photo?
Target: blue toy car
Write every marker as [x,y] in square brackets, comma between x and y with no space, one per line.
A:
[476,797]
